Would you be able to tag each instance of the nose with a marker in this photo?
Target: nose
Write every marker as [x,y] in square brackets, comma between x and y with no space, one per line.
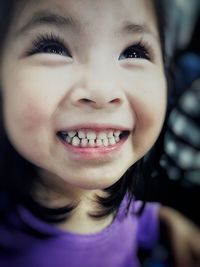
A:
[98,91]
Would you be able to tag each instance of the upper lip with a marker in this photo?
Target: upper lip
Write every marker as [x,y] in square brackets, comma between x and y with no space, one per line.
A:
[94,127]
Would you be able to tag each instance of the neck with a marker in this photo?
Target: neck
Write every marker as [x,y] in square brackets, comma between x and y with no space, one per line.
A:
[55,196]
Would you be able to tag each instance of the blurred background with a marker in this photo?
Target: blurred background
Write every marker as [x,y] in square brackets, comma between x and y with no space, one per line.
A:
[182,19]
[176,181]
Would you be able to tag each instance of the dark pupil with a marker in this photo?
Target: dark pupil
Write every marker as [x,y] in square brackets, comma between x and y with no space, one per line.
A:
[53,49]
[134,53]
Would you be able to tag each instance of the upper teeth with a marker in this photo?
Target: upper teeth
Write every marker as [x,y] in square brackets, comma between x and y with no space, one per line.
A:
[71,134]
[91,138]
[92,135]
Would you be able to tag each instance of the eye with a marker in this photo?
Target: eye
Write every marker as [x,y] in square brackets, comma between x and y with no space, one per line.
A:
[137,51]
[49,44]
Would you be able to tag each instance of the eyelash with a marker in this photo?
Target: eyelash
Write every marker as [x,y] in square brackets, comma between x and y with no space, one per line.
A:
[49,44]
[53,44]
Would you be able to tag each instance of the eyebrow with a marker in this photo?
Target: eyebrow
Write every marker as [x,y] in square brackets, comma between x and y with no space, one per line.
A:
[47,18]
[133,28]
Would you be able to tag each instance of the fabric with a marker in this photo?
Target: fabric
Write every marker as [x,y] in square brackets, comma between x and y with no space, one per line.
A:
[27,241]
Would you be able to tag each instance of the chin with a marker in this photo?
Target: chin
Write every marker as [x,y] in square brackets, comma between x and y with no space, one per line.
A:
[93,179]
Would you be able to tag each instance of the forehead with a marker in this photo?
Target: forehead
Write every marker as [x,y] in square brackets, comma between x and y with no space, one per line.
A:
[91,13]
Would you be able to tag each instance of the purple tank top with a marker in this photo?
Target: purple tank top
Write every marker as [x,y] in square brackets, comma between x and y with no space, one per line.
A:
[26,241]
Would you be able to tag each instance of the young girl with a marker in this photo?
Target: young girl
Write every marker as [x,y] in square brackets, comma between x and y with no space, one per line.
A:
[83,93]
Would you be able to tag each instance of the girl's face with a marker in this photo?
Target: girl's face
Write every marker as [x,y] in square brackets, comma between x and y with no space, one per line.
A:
[83,87]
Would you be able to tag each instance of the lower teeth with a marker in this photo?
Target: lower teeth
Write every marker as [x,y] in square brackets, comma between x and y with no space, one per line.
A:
[75,141]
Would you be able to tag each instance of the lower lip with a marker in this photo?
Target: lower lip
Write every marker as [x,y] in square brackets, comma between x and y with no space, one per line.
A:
[90,153]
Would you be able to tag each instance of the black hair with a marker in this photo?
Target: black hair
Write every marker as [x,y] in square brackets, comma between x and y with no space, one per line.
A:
[18,175]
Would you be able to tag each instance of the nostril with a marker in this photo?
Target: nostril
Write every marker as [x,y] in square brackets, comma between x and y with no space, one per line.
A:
[99,102]
[86,100]
[115,101]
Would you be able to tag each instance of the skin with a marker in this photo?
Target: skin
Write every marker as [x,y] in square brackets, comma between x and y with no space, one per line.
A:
[95,83]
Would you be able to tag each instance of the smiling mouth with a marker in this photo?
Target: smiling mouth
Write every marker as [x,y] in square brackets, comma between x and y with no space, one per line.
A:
[86,138]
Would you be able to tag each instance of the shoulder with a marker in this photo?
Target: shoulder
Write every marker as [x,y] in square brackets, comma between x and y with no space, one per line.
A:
[148,224]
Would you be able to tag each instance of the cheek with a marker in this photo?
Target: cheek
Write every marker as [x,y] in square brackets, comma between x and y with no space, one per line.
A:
[33,116]
[148,98]
[149,106]
[29,130]
[26,117]
[25,114]
[27,104]
[150,109]
[26,126]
